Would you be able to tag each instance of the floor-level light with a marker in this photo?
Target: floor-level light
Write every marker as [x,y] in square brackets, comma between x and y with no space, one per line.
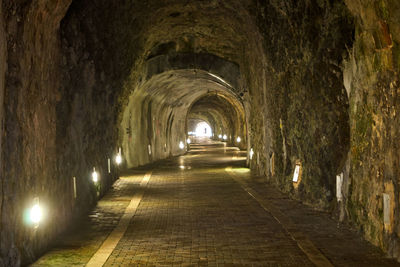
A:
[387,218]
[95,175]
[36,213]
[251,153]
[74,187]
[339,183]
[181,145]
[118,158]
[296,173]
[238,139]
[225,137]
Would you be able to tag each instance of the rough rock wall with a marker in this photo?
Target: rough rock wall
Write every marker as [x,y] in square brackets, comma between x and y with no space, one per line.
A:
[3,68]
[59,123]
[371,77]
[29,159]
[302,96]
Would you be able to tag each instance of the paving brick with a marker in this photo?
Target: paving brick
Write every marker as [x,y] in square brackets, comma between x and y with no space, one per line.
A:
[203,217]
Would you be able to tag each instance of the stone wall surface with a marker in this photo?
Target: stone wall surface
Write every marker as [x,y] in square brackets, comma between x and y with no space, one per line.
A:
[303,99]
[3,69]
[29,159]
[371,76]
[306,82]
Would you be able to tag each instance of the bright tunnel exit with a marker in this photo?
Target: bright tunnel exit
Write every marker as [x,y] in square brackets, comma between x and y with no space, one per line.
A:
[203,130]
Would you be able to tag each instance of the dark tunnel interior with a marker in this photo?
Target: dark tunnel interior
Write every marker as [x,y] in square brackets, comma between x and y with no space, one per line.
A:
[306,86]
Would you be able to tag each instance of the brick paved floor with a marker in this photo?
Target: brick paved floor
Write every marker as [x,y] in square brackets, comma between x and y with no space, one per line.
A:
[195,213]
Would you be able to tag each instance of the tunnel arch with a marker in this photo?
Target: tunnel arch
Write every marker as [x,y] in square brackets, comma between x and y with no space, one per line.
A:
[165,100]
[226,114]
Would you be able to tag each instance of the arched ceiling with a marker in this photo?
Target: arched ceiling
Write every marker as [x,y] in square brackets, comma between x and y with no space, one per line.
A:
[156,113]
[215,27]
[183,87]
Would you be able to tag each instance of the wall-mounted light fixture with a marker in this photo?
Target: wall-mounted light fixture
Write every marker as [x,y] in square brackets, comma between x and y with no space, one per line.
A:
[74,187]
[188,141]
[118,157]
[95,175]
[181,145]
[298,170]
[220,136]
[224,137]
[238,139]
[296,173]
[35,213]
[339,183]
[251,153]
[386,211]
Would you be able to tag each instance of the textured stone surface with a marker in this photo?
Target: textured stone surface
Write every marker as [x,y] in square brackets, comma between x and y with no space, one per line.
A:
[301,95]
[318,81]
[3,66]
[29,158]
[372,82]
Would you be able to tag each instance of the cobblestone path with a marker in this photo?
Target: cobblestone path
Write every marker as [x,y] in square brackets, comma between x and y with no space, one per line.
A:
[206,209]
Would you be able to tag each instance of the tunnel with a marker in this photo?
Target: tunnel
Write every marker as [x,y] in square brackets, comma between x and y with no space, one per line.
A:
[268,128]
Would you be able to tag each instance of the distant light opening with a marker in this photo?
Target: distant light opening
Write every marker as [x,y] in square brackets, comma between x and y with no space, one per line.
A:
[203,130]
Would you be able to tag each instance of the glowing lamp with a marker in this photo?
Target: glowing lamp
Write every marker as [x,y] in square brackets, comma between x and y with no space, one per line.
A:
[225,137]
[188,141]
[251,153]
[238,139]
[95,175]
[118,159]
[35,213]
[296,173]
[220,136]
[181,145]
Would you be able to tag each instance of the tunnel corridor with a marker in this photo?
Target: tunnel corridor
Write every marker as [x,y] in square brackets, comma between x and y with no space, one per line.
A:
[257,124]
